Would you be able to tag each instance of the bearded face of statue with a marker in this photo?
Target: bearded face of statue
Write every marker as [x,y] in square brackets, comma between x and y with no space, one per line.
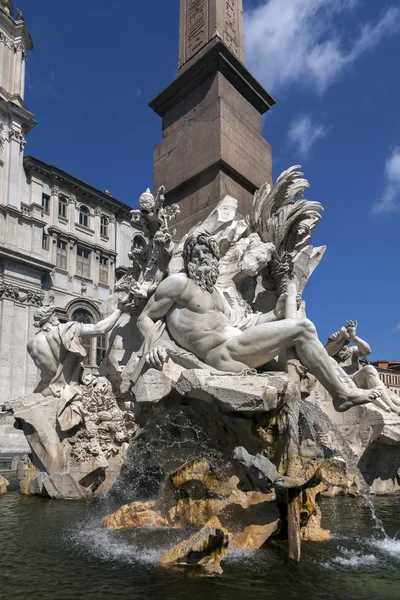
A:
[344,354]
[203,267]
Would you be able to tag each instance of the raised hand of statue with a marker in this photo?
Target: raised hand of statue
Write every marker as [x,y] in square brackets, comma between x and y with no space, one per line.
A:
[157,357]
[124,301]
[350,331]
[279,309]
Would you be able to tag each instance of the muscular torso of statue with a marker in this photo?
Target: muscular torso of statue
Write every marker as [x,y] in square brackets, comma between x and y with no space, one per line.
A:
[48,353]
[197,321]
[45,350]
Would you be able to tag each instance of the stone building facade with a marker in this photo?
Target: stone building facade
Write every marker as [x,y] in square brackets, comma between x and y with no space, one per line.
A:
[62,242]
[389,372]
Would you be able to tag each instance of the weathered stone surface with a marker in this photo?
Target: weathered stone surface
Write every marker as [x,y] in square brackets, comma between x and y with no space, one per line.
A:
[3,485]
[234,393]
[155,385]
[223,112]
[205,550]
[198,495]
[137,514]
[311,516]
[201,21]
[75,465]
[374,436]
[12,441]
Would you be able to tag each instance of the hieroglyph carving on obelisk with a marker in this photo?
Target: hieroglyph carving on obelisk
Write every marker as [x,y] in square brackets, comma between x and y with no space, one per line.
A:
[202,20]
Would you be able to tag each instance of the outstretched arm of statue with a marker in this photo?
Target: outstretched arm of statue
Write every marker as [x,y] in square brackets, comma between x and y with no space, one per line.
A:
[161,302]
[104,326]
[350,333]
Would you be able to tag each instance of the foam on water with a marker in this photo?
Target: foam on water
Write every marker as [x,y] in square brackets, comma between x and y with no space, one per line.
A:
[350,558]
[118,547]
[387,545]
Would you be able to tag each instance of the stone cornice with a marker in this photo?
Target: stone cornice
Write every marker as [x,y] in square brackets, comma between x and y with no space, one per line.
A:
[216,57]
[73,240]
[16,29]
[17,111]
[84,191]
[30,261]
[25,213]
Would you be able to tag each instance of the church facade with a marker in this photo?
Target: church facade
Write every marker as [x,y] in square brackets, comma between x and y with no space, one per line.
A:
[62,242]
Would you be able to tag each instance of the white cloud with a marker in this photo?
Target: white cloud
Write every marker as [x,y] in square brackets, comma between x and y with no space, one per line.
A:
[303,42]
[390,199]
[303,133]
[139,92]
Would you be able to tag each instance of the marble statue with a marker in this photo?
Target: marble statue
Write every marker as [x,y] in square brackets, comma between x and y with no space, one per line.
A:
[73,423]
[151,257]
[212,333]
[196,319]
[365,376]
[58,353]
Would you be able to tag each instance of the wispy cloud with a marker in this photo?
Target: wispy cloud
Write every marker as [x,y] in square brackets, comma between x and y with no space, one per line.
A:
[49,84]
[390,199]
[292,42]
[303,133]
[139,92]
[45,85]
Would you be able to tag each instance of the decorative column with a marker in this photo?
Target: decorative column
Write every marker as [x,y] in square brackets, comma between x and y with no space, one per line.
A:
[212,142]
[71,211]
[203,20]
[96,225]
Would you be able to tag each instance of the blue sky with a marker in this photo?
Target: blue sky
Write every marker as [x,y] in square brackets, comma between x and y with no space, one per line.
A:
[332,66]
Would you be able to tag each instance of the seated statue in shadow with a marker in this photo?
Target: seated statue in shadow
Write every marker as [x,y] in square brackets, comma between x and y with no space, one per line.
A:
[57,351]
[349,358]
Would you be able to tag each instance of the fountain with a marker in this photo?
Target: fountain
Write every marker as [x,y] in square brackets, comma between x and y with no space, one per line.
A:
[203,419]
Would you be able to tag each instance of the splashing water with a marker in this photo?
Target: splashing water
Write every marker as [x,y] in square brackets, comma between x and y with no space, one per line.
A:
[378,523]
[388,545]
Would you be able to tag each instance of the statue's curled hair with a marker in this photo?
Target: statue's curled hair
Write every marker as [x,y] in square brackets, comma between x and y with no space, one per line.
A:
[42,315]
[200,237]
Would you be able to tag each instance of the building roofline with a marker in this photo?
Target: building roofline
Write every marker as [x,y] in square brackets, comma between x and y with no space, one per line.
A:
[34,164]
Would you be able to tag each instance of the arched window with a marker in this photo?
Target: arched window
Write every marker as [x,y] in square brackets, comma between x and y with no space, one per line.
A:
[104,226]
[84,215]
[83,316]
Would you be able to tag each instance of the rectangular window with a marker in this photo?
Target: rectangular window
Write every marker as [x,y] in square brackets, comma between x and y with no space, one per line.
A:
[104,226]
[101,349]
[62,255]
[46,203]
[83,263]
[103,275]
[45,241]
[62,207]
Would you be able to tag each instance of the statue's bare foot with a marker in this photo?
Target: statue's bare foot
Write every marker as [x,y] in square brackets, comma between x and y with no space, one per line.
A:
[355,397]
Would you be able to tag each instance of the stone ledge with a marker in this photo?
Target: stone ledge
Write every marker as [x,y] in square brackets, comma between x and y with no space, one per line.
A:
[217,58]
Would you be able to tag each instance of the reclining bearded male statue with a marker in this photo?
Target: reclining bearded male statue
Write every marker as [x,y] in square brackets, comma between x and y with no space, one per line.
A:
[196,320]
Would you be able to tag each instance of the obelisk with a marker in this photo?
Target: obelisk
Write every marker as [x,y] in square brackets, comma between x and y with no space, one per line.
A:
[211,116]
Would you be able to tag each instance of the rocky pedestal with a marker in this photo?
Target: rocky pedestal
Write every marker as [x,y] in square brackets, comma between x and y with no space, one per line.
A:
[76,463]
[374,436]
[3,485]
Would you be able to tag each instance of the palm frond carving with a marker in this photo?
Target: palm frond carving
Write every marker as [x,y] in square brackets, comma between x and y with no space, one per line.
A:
[282,216]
